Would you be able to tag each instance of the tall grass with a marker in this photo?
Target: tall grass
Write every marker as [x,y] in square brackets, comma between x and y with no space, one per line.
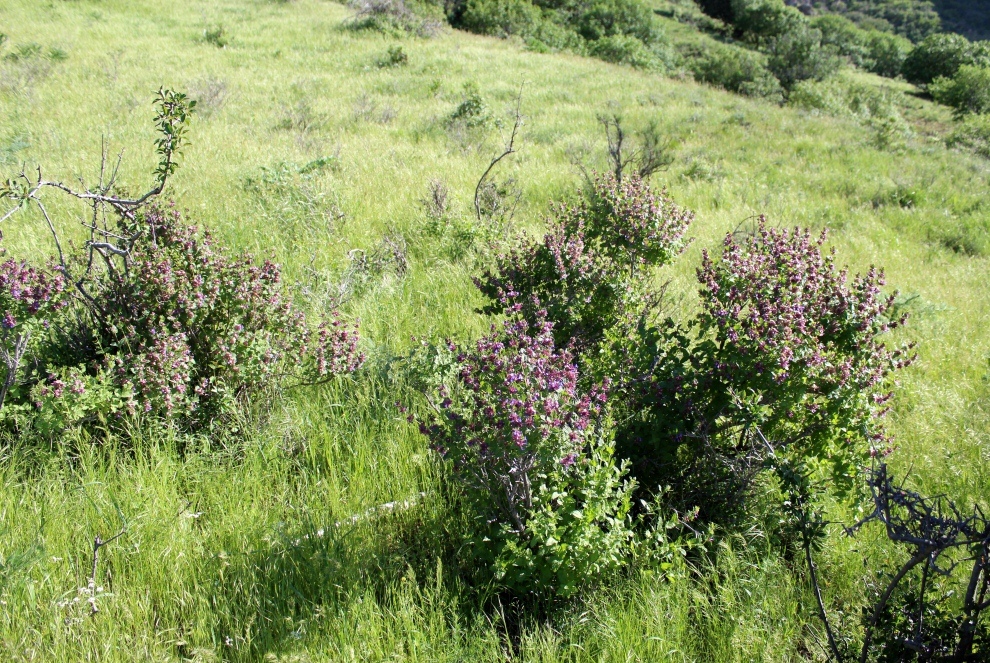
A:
[221,558]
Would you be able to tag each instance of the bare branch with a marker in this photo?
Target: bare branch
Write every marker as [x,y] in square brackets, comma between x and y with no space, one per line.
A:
[508,149]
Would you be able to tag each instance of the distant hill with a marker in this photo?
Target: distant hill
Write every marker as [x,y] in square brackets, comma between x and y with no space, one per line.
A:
[914,19]
[967,17]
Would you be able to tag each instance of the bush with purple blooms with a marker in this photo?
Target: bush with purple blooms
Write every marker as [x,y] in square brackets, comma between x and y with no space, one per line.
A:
[589,269]
[184,334]
[531,452]
[29,296]
[192,329]
[784,361]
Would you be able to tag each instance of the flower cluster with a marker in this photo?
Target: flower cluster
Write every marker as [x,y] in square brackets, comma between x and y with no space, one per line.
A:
[585,272]
[562,277]
[28,293]
[518,411]
[629,223]
[193,329]
[528,447]
[785,353]
[788,326]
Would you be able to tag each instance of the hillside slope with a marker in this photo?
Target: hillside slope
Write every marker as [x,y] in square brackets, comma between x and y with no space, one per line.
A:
[306,148]
[967,17]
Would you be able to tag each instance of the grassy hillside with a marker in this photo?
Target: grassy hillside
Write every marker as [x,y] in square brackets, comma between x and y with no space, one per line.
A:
[306,148]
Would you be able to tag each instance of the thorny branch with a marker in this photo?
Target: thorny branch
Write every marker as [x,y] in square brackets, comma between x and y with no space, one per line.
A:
[931,529]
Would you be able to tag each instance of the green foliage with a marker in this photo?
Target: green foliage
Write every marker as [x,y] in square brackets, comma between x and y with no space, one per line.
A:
[941,55]
[397,17]
[395,56]
[581,277]
[913,19]
[620,31]
[880,52]
[473,112]
[798,56]
[174,111]
[256,566]
[972,133]
[502,18]
[610,18]
[841,98]
[885,53]
[843,37]
[529,448]
[751,378]
[623,49]
[966,92]
[579,530]
[762,21]
[735,69]
[217,36]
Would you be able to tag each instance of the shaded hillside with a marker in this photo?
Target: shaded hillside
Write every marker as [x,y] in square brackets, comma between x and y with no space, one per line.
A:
[967,17]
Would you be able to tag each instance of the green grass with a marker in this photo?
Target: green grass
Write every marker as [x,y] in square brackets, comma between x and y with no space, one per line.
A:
[216,563]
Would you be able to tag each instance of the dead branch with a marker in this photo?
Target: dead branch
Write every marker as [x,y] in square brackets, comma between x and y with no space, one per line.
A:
[507,150]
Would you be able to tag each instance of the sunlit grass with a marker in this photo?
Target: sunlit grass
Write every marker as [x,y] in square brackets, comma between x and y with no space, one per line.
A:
[210,567]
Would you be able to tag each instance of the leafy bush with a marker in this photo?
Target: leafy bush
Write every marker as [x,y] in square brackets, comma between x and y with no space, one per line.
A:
[761,21]
[621,31]
[880,52]
[394,57]
[846,98]
[501,18]
[885,53]
[217,36]
[472,112]
[610,18]
[941,56]
[735,69]
[532,455]
[622,49]
[797,56]
[843,37]
[967,92]
[913,19]
[973,133]
[579,276]
[785,355]
[183,334]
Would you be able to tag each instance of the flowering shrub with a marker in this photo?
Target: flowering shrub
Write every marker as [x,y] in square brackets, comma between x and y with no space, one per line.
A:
[183,333]
[563,277]
[785,360]
[28,296]
[789,328]
[529,450]
[583,274]
[628,223]
[189,329]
